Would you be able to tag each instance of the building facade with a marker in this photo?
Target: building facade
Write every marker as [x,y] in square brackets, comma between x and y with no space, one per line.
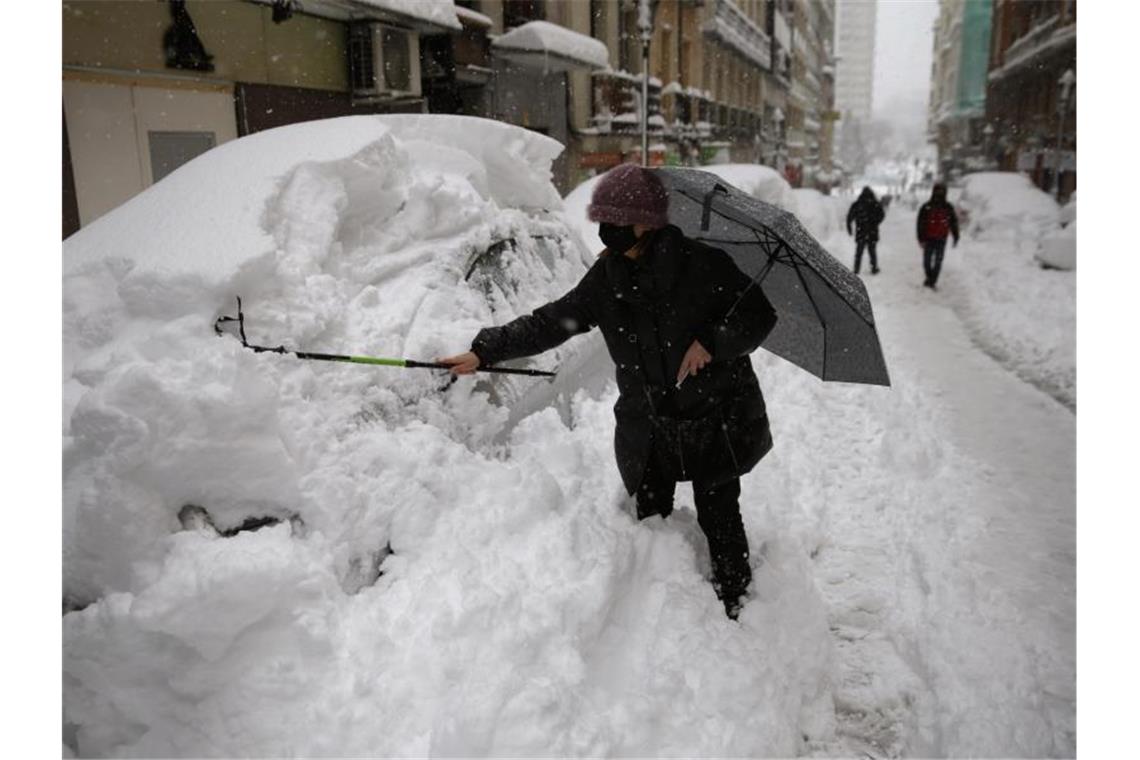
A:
[1031,92]
[149,85]
[956,115]
[855,51]
[810,105]
[729,81]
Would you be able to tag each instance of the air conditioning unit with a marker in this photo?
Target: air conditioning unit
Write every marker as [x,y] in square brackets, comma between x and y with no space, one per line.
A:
[383,62]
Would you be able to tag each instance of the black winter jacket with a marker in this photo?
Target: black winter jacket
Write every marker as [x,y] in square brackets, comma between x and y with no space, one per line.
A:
[867,214]
[650,310]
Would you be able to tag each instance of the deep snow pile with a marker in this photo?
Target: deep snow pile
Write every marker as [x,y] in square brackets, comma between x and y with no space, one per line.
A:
[1059,247]
[821,215]
[759,181]
[1005,206]
[575,204]
[1022,314]
[442,580]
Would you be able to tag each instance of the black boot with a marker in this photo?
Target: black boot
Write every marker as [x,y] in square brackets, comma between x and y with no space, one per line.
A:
[718,513]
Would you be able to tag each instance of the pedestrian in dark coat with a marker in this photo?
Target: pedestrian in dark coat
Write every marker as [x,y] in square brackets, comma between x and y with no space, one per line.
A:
[867,214]
[936,221]
[679,320]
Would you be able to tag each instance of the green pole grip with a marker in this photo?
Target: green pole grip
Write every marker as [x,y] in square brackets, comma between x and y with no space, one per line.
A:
[377,360]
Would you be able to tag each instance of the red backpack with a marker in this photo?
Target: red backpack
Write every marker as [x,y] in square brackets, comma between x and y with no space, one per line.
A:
[937,223]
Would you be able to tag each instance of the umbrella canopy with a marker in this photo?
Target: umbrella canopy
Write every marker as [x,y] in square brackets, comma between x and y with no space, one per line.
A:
[825,321]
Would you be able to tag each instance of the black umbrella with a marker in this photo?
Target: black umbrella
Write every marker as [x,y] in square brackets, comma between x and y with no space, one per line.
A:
[825,320]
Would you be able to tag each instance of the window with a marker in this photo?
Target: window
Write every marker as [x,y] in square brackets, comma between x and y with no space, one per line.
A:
[169,150]
[397,62]
[518,12]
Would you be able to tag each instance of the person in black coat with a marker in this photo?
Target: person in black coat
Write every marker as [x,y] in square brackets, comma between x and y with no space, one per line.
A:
[936,221]
[867,214]
[679,320]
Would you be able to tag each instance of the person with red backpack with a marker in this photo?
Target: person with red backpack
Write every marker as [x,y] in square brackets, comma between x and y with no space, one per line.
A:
[937,221]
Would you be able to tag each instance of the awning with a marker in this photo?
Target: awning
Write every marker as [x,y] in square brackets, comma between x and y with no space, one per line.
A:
[550,47]
[423,16]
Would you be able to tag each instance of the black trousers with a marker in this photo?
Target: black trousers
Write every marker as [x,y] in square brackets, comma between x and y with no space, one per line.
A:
[932,252]
[718,514]
[870,245]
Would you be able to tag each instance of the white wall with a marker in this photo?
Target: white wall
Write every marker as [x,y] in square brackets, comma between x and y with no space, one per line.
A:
[108,124]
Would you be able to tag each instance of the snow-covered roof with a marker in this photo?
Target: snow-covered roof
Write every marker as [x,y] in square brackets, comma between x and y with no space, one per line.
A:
[473,16]
[439,12]
[672,88]
[552,46]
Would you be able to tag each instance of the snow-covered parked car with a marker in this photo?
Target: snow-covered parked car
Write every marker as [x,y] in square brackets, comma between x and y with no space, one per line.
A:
[761,182]
[1059,248]
[258,548]
[819,213]
[395,236]
[1005,205]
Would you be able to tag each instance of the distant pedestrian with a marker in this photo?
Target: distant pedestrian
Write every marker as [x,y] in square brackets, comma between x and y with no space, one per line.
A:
[936,221]
[867,214]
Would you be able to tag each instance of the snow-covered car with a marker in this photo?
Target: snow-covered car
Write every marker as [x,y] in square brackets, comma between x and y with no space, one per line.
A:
[819,213]
[761,182]
[1069,211]
[393,236]
[1059,249]
[1005,205]
[258,548]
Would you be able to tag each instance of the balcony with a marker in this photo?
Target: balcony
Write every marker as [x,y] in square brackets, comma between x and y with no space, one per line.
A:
[735,30]
[1047,36]
[617,104]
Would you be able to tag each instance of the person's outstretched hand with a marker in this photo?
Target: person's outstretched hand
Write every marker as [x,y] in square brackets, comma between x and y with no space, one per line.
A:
[462,364]
[695,359]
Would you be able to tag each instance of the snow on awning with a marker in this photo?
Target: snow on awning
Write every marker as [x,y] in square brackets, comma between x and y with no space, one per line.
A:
[435,13]
[550,47]
[474,18]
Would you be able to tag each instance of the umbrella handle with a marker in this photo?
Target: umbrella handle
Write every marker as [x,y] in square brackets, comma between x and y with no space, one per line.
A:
[706,207]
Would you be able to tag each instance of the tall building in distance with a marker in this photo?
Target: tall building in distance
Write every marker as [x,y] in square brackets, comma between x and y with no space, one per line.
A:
[855,50]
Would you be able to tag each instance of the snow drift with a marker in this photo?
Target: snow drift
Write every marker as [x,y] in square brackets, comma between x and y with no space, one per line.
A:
[761,182]
[1006,206]
[435,572]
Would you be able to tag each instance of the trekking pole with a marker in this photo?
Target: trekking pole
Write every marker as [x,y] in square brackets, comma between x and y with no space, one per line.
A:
[221,329]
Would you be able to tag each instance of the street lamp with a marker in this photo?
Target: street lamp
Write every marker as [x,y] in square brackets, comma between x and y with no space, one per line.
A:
[1066,82]
[645,32]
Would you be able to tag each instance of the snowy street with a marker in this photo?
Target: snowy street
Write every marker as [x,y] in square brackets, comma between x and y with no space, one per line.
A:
[454,569]
[949,563]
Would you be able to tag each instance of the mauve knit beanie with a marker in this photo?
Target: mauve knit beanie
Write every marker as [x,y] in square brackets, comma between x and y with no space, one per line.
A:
[629,194]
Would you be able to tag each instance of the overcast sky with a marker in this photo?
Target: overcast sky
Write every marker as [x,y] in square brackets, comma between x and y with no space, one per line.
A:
[903,40]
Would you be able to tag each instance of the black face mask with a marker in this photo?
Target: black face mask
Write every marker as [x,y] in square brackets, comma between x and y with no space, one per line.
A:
[617,238]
